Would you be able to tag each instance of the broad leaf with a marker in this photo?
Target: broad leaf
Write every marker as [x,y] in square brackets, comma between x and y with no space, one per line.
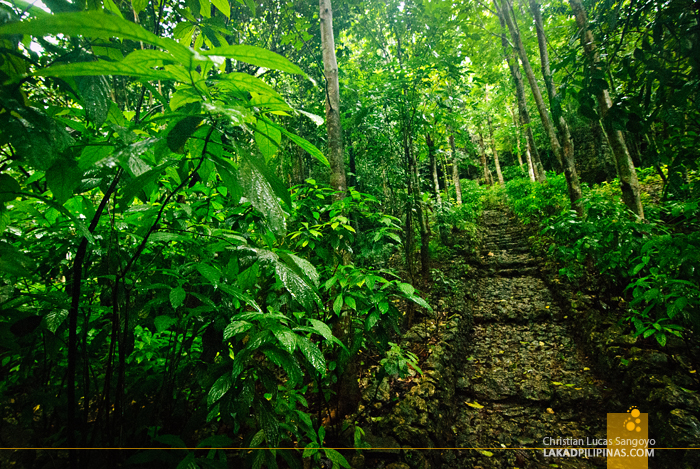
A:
[94,24]
[96,98]
[235,328]
[267,138]
[220,388]
[177,297]
[9,188]
[322,328]
[259,192]
[223,6]
[312,354]
[255,56]
[183,130]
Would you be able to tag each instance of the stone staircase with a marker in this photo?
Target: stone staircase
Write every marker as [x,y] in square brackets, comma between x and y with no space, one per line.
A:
[524,380]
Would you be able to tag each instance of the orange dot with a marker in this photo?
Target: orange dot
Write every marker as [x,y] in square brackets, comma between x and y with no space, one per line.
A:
[630,426]
[639,429]
[636,413]
[638,421]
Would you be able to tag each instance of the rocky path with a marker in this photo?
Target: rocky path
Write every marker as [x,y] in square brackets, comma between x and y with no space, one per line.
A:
[524,379]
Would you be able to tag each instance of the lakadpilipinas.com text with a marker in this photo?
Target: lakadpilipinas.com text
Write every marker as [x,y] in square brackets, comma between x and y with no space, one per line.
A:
[591,447]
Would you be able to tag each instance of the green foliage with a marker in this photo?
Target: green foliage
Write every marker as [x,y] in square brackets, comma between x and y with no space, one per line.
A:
[397,362]
[653,261]
[534,202]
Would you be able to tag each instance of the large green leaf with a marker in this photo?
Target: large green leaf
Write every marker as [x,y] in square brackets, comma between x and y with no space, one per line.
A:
[269,424]
[62,178]
[304,293]
[137,184]
[177,297]
[302,267]
[183,130]
[287,362]
[322,328]
[337,458]
[210,273]
[303,143]
[242,82]
[312,354]
[96,98]
[255,56]
[101,67]
[267,138]
[223,6]
[220,388]
[235,328]
[9,188]
[95,24]
[279,188]
[285,336]
[258,191]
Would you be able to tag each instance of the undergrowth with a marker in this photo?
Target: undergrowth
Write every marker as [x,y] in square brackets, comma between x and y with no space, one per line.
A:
[651,264]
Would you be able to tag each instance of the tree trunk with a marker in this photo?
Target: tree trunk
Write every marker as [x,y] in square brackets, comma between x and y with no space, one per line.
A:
[455,171]
[533,154]
[488,179]
[528,156]
[629,184]
[420,213]
[433,168]
[335,131]
[495,153]
[555,106]
[570,171]
[517,138]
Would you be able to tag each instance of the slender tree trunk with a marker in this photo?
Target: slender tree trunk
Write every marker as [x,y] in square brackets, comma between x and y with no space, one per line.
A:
[335,131]
[565,139]
[528,157]
[488,179]
[495,153]
[570,171]
[445,179]
[420,212]
[517,138]
[629,184]
[455,171]
[433,168]
[533,154]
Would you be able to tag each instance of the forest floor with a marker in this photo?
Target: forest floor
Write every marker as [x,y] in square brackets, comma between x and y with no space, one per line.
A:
[504,373]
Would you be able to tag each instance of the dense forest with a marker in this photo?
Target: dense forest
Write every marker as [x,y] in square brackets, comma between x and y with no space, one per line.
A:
[222,222]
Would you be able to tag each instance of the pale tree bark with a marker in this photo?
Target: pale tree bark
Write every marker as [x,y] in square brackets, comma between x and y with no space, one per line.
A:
[488,179]
[517,138]
[335,132]
[533,155]
[433,168]
[528,156]
[495,153]
[569,170]
[455,171]
[629,184]
[565,139]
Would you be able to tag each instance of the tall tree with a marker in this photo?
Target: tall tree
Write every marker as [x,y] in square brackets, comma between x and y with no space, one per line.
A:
[330,69]
[531,149]
[433,167]
[497,163]
[565,160]
[488,178]
[623,161]
[565,139]
[455,170]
